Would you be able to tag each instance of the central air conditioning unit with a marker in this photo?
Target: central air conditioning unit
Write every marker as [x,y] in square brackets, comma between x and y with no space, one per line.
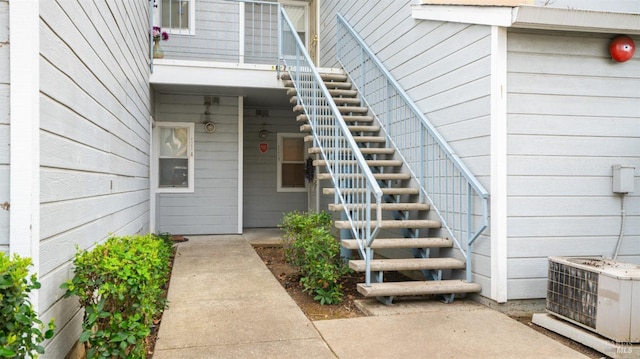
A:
[598,294]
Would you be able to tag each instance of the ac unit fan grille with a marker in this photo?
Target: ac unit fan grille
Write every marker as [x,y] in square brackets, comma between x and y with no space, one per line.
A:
[573,293]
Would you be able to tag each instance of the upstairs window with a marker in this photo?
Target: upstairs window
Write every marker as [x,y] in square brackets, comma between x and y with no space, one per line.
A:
[176,16]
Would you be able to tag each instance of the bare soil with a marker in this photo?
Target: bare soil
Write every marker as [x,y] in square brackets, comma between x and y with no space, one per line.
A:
[289,278]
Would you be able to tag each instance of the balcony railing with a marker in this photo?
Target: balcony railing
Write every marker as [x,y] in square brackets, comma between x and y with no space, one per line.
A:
[232,31]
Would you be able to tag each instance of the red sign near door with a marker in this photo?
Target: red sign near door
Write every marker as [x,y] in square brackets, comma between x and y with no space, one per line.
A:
[264,147]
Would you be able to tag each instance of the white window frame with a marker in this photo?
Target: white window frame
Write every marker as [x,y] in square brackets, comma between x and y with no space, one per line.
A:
[190,157]
[157,19]
[281,136]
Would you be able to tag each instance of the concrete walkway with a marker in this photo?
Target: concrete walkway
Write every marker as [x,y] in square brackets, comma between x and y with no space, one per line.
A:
[225,303]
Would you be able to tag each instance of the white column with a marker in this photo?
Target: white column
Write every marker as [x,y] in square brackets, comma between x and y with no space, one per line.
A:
[240,161]
[24,224]
[153,171]
[499,164]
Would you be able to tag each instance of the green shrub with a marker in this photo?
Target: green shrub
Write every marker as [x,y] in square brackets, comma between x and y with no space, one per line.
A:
[120,285]
[21,332]
[310,246]
[297,225]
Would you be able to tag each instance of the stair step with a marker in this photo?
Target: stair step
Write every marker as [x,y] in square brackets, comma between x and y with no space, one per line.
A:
[347,118]
[406,206]
[362,128]
[378,176]
[339,101]
[363,150]
[342,109]
[384,243]
[357,128]
[384,265]
[333,92]
[353,109]
[343,93]
[324,76]
[305,128]
[392,224]
[329,84]
[346,101]
[418,288]
[338,85]
[357,139]
[386,191]
[374,163]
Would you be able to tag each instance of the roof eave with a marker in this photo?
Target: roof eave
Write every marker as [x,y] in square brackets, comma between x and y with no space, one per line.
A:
[532,17]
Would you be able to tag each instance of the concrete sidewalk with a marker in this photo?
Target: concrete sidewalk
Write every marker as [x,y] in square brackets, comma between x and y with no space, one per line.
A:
[225,303]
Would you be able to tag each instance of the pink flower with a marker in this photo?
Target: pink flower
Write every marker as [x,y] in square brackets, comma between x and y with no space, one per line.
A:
[158,34]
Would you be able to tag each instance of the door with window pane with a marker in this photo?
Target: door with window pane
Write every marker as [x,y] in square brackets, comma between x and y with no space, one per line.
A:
[299,16]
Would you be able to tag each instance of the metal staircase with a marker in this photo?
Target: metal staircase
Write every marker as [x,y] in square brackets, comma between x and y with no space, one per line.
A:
[403,214]
[396,183]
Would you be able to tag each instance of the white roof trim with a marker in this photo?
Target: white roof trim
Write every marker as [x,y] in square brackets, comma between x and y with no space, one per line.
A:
[532,17]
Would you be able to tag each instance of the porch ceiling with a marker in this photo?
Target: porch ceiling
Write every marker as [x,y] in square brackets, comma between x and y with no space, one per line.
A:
[253,97]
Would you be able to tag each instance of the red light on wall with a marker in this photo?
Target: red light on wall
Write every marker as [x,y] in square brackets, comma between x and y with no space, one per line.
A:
[622,48]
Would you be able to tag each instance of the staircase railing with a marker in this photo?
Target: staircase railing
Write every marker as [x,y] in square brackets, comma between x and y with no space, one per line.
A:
[455,194]
[355,186]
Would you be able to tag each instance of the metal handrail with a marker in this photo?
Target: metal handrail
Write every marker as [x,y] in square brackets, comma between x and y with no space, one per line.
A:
[355,185]
[454,193]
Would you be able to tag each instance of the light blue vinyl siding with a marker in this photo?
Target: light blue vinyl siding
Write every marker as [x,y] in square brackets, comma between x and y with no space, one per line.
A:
[4,124]
[572,114]
[94,141]
[263,205]
[216,34]
[213,207]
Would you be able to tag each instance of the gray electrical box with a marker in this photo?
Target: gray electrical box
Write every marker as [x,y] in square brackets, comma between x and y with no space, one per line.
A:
[623,178]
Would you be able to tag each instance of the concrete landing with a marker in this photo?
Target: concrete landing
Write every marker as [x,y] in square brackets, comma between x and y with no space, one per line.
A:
[426,329]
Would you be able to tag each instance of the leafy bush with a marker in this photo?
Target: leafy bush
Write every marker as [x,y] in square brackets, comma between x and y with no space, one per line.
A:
[311,247]
[120,285]
[297,225]
[21,332]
